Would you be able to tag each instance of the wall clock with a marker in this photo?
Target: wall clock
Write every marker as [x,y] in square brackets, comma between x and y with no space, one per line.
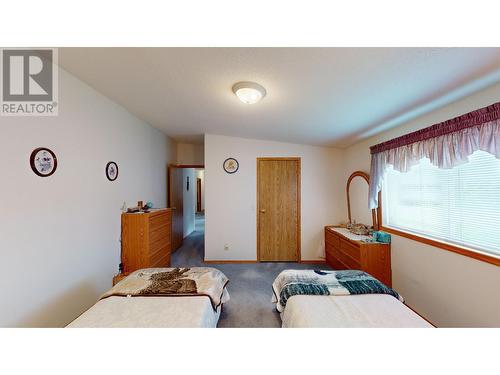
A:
[231,165]
[43,162]
[112,171]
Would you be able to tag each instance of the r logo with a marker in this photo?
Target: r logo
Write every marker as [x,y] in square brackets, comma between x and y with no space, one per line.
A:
[27,75]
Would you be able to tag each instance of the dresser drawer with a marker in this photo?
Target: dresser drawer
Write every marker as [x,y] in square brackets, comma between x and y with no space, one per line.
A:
[162,220]
[162,244]
[345,259]
[350,250]
[329,248]
[160,259]
[332,239]
[161,233]
[334,262]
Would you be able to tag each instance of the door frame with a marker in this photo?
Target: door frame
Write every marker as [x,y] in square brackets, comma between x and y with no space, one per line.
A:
[299,194]
[198,194]
[169,192]
[169,166]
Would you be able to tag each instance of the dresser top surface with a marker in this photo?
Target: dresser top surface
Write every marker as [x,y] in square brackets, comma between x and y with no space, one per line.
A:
[355,239]
[152,212]
[346,233]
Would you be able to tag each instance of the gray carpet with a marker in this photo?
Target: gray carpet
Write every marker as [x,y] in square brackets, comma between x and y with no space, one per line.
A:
[249,285]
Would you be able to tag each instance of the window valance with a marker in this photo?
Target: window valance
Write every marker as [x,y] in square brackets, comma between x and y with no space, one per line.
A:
[446,144]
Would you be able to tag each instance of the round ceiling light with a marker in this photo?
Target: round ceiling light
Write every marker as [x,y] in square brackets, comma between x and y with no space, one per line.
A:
[249,92]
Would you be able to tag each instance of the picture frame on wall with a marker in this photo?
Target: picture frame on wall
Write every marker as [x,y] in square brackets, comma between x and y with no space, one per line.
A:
[231,165]
[43,162]
[112,171]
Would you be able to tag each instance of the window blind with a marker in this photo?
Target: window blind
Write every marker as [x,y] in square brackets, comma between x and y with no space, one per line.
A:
[459,205]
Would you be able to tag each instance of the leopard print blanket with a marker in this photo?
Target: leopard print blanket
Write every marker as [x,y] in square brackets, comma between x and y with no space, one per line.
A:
[174,282]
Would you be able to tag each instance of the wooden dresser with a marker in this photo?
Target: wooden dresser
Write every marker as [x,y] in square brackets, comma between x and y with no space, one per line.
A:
[346,253]
[146,239]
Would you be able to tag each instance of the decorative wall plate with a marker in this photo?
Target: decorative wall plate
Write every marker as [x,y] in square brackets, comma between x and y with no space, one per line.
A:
[43,162]
[231,165]
[112,171]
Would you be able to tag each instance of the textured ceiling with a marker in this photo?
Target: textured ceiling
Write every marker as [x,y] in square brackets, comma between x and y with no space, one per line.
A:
[318,96]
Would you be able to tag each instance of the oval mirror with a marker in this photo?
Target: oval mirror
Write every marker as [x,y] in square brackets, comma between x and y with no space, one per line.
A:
[357,200]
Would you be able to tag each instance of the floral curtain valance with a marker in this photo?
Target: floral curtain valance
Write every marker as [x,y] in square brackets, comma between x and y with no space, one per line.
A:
[446,145]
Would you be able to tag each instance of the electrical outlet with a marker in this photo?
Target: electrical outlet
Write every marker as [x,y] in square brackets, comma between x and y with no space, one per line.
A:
[226,247]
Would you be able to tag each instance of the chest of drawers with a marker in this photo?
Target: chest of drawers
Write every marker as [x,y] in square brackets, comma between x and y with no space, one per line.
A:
[146,239]
[343,252]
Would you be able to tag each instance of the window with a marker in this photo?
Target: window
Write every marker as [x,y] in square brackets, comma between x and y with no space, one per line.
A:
[459,206]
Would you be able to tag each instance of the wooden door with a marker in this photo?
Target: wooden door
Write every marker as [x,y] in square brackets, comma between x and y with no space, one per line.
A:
[175,201]
[278,209]
[198,194]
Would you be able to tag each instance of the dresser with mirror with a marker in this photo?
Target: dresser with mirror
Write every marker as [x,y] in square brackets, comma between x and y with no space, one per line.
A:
[351,246]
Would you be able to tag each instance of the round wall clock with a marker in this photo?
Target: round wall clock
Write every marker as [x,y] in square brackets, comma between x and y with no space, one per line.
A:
[112,171]
[43,162]
[231,165]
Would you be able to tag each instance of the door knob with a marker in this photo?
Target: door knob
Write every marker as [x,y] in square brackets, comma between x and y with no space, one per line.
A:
[263,210]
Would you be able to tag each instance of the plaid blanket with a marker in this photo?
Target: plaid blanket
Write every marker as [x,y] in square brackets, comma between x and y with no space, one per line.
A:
[315,282]
[174,282]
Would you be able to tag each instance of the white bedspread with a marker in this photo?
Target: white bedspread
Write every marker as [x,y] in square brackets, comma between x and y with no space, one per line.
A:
[149,312]
[363,311]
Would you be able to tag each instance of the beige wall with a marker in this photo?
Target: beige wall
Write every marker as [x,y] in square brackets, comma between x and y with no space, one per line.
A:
[230,207]
[190,154]
[188,200]
[449,289]
[200,173]
[60,235]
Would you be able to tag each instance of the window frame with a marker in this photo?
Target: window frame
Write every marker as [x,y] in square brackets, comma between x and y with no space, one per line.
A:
[441,244]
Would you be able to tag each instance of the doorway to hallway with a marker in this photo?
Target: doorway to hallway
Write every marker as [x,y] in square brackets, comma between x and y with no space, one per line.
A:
[186,198]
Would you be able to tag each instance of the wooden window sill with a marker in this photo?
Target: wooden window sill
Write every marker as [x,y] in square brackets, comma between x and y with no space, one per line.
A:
[446,246]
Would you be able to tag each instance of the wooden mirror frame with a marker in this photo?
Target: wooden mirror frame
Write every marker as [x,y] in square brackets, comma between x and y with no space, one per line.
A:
[375,212]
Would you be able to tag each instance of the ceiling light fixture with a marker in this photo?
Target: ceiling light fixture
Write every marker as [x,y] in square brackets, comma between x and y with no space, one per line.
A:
[249,92]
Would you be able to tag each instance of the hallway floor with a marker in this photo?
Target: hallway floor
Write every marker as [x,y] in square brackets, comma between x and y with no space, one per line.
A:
[249,284]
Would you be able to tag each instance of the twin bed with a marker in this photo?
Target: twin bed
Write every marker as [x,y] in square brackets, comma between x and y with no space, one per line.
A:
[160,298]
[149,312]
[340,299]
[193,297]
[357,311]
